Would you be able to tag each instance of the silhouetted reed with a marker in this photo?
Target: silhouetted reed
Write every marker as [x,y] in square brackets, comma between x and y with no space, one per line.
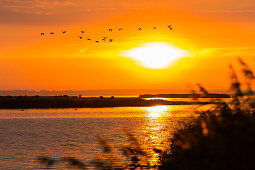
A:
[221,138]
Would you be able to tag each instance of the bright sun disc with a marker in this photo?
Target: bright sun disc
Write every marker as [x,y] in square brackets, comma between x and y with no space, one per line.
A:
[155,55]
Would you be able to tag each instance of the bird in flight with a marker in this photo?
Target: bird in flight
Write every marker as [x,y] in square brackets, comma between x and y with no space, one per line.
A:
[170,27]
[110,40]
[80,37]
[139,29]
[120,29]
[42,33]
[82,31]
[52,33]
[110,30]
[154,28]
[97,41]
[64,32]
[104,38]
[89,39]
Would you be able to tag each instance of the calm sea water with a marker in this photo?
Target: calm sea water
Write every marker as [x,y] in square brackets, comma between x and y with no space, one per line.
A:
[24,135]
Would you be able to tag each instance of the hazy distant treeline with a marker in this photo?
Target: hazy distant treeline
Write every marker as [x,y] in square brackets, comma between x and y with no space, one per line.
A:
[128,92]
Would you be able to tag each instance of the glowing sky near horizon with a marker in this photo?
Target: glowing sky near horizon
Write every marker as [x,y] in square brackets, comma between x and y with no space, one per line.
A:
[215,33]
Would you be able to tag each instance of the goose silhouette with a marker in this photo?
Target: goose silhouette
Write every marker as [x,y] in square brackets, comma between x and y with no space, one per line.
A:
[170,27]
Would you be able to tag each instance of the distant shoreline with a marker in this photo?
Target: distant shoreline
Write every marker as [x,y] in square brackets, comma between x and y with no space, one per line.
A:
[209,95]
[47,102]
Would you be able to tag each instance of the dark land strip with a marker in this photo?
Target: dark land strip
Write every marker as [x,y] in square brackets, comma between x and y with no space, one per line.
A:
[27,102]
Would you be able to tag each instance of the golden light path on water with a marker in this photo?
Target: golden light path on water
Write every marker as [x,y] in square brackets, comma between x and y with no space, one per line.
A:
[155,114]
[156,111]
[160,125]
[158,129]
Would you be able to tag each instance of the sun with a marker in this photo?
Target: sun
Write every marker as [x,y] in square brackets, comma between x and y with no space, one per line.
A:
[155,55]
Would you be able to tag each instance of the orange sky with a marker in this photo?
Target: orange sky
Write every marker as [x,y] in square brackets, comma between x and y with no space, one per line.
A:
[214,33]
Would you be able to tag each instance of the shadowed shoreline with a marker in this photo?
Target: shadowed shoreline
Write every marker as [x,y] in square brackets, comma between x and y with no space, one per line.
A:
[33,102]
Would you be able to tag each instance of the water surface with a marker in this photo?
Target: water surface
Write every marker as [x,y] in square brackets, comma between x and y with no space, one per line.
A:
[24,135]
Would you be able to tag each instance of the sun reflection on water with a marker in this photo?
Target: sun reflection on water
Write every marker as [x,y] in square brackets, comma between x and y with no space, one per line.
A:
[158,127]
[156,111]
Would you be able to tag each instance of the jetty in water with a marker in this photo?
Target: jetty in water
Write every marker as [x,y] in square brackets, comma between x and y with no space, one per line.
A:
[209,95]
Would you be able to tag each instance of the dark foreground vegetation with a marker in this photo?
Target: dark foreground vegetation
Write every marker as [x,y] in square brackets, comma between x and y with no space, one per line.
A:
[26,102]
[221,138]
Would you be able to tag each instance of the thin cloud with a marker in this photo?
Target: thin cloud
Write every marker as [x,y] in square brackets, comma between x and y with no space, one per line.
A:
[57,6]
[230,11]
[43,7]
[82,52]
[230,51]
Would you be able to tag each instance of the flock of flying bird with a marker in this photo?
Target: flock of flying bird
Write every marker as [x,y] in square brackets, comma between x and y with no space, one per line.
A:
[103,38]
